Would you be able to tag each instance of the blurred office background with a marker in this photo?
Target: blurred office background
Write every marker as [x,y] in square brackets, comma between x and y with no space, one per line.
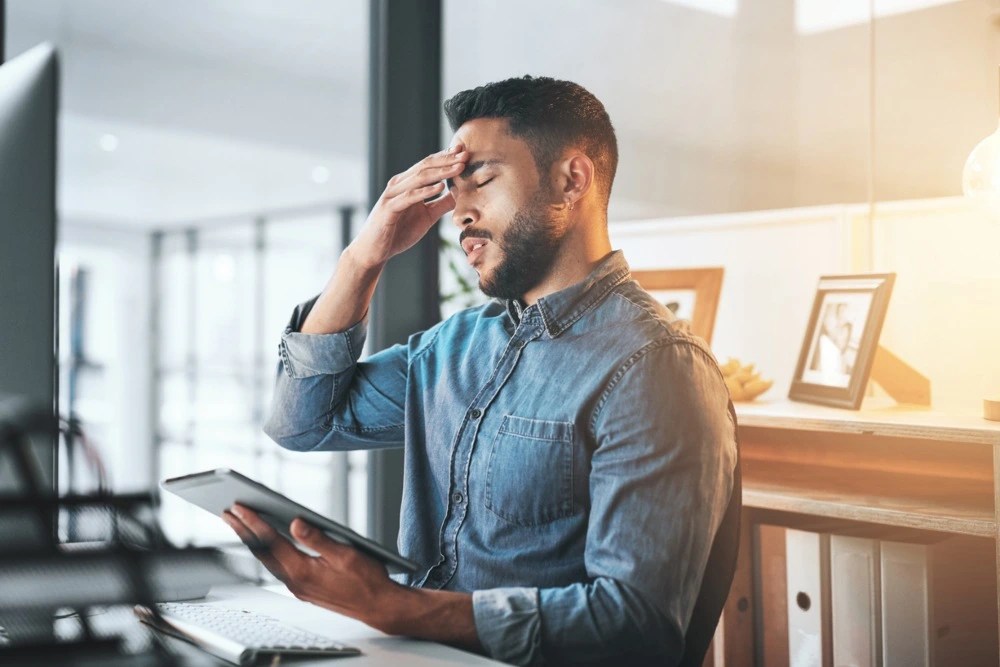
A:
[213,162]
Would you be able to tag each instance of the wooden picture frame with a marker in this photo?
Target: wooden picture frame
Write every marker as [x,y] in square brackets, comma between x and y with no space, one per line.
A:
[698,287]
[841,339]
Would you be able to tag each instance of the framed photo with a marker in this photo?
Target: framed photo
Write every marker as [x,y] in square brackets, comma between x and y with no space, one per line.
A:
[841,339]
[692,294]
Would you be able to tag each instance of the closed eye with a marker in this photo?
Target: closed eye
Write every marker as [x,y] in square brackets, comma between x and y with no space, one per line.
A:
[486,182]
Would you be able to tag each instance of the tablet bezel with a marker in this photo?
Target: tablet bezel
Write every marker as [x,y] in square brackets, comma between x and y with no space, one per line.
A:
[217,490]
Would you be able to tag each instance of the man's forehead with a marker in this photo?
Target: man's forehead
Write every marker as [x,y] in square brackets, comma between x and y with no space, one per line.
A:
[483,135]
[482,129]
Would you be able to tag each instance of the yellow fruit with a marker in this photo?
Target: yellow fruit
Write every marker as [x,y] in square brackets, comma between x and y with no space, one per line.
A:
[743,382]
[736,391]
[730,367]
[754,389]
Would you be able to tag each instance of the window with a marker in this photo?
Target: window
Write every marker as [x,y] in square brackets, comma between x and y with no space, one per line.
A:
[205,151]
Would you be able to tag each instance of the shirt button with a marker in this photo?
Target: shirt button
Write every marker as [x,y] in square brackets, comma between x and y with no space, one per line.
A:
[476,413]
[458,498]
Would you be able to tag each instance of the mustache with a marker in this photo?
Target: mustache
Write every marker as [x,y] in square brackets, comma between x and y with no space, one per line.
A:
[474,234]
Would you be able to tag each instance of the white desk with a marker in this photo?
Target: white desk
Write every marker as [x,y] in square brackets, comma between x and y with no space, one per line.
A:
[377,648]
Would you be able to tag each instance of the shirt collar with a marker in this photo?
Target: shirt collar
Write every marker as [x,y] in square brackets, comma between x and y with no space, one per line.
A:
[561,309]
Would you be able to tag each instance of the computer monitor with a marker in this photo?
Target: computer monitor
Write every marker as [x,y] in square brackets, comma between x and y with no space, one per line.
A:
[28,106]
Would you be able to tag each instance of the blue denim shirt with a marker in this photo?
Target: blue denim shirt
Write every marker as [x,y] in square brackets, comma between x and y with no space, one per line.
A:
[568,463]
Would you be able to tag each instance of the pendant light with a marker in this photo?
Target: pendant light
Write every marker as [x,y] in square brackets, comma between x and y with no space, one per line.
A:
[981,176]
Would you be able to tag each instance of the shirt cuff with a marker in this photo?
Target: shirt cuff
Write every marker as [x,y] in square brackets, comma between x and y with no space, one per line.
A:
[509,624]
[306,355]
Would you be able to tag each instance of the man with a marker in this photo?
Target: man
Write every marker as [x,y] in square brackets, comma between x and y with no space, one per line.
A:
[569,452]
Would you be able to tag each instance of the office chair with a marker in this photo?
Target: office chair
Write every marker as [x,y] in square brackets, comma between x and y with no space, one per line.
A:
[718,576]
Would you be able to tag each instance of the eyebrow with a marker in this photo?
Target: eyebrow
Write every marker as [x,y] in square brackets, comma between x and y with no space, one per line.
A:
[472,168]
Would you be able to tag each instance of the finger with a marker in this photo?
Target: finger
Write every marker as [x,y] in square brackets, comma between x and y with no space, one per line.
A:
[287,559]
[440,158]
[329,549]
[439,207]
[445,152]
[439,172]
[424,177]
[404,201]
[242,532]
[260,550]
[281,548]
[427,174]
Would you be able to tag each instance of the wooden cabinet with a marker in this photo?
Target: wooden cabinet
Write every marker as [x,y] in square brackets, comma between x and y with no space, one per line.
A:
[885,471]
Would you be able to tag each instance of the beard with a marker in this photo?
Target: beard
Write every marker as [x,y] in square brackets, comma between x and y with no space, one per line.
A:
[528,250]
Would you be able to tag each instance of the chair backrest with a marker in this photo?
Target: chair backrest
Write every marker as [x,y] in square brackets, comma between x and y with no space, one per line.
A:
[718,577]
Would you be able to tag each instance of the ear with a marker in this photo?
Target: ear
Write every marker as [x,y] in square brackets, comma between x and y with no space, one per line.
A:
[574,177]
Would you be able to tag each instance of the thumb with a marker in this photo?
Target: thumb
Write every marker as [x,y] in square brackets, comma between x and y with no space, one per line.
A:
[440,206]
[316,540]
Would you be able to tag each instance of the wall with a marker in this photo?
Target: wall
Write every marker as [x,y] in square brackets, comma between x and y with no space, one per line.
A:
[742,108]
[772,261]
[943,317]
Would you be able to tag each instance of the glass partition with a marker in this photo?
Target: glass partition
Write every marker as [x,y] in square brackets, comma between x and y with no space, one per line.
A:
[206,150]
[737,105]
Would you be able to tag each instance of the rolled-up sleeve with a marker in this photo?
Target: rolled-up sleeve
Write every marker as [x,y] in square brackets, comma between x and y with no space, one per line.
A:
[508,623]
[325,399]
[660,481]
[307,355]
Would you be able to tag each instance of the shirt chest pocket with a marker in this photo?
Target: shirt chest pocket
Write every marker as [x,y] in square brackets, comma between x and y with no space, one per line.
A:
[529,478]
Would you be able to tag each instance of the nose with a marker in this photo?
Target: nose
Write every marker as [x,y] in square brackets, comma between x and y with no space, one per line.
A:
[464,213]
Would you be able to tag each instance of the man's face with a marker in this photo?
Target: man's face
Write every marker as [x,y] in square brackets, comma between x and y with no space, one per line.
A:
[510,232]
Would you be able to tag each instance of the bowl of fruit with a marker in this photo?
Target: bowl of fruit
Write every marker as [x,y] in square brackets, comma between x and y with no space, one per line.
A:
[744,382]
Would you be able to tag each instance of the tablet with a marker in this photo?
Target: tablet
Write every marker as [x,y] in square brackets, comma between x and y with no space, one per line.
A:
[217,490]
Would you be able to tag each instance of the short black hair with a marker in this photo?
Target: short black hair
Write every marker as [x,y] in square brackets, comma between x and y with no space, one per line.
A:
[550,115]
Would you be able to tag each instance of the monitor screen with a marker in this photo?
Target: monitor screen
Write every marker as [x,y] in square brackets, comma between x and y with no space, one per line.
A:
[28,105]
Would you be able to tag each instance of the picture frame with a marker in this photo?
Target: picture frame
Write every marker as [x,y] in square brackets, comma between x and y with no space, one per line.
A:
[841,339]
[692,294]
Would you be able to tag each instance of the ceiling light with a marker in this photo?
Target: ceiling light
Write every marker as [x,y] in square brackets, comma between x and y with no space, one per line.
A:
[224,268]
[320,174]
[108,143]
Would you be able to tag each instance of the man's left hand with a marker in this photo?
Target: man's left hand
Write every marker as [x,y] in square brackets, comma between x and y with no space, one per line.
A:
[340,578]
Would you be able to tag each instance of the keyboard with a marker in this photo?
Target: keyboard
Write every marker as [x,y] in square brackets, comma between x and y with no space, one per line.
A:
[237,636]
